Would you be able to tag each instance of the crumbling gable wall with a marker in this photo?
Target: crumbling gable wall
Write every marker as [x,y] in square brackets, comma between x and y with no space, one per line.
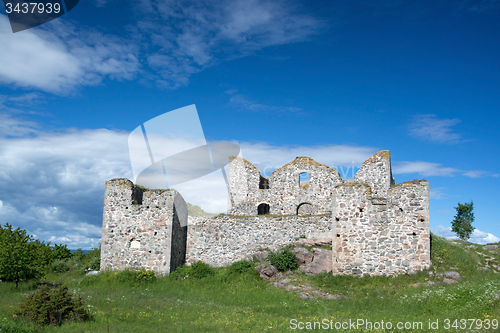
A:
[284,194]
[143,228]
[376,172]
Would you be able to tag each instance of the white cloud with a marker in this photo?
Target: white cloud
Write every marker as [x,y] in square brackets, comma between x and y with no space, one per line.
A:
[429,169]
[475,173]
[241,102]
[424,169]
[478,236]
[57,57]
[14,127]
[186,37]
[429,127]
[171,39]
[437,193]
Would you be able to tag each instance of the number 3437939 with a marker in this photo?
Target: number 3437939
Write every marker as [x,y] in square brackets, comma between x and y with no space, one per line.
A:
[33,7]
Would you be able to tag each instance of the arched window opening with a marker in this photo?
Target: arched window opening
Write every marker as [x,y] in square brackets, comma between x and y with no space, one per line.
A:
[306,209]
[263,209]
[304,179]
[263,183]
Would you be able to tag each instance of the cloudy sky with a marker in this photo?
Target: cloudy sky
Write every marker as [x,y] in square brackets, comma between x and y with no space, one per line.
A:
[334,80]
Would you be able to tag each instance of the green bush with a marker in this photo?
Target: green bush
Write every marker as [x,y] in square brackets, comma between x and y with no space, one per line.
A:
[201,270]
[95,264]
[181,272]
[78,255]
[144,275]
[240,267]
[127,275]
[52,306]
[283,259]
[59,266]
[197,270]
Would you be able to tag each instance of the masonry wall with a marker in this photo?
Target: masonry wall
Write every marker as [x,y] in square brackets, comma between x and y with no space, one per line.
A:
[285,195]
[222,240]
[142,229]
[377,173]
[377,228]
[381,235]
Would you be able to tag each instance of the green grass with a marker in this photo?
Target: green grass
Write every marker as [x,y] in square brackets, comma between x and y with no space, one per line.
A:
[238,301]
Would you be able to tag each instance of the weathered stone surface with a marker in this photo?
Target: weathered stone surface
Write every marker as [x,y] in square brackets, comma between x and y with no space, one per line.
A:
[304,295]
[378,228]
[449,281]
[260,267]
[490,247]
[322,262]
[260,256]
[452,275]
[303,256]
[281,283]
[142,228]
[323,242]
[483,269]
[268,272]
[284,193]
[223,240]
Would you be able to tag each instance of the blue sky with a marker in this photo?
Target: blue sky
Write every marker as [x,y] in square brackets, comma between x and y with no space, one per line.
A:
[334,80]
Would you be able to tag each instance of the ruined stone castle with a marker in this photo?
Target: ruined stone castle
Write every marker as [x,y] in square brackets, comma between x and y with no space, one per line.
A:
[376,227]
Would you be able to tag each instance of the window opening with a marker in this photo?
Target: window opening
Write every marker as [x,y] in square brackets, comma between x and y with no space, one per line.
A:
[263,209]
[304,179]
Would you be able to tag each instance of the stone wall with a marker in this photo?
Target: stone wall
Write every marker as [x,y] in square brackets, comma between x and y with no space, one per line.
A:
[284,195]
[381,235]
[142,229]
[377,227]
[222,240]
[377,173]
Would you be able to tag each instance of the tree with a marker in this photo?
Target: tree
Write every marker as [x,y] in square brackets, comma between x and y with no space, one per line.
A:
[19,255]
[462,224]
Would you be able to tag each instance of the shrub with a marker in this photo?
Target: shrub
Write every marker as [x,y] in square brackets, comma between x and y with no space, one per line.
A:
[93,259]
[181,272]
[52,306]
[201,270]
[283,259]
[197,270]
[59,266]
[241,266]
[144,275]
[126,275]
[95,264]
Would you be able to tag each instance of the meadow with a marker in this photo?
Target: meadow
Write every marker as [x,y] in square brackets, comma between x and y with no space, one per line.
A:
[239,301]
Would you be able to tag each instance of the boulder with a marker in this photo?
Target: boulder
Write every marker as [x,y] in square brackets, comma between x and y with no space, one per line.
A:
[304,295]
[260,256]
[490,247]
[268,272]
[303,256]
[305,242]
[323,242]
[322,263]
[260,267]
[449,281]
[452,275]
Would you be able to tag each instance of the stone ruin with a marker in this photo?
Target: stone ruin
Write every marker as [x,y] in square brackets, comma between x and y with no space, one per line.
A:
[375,227]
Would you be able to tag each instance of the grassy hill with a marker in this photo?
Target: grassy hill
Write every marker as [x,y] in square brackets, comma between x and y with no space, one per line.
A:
[230,301]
